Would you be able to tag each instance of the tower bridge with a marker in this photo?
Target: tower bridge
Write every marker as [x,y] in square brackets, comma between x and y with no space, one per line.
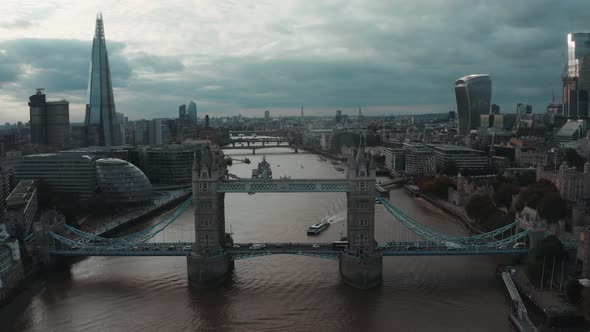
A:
[210,259]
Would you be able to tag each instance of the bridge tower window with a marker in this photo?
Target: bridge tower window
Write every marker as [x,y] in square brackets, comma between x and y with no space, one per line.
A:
[363,222]
[362,186]
[364,204]
[361,238]
[204,186]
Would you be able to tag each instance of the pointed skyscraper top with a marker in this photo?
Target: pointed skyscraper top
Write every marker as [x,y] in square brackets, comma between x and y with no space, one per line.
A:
[100,119]
[99,31]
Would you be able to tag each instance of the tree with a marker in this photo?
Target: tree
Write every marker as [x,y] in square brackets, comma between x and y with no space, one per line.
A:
[574,291]
[479,206]
[533,194]
[427,184]
[442,185]
[573,158]
[552,207]
[525,179]
[503,195]
[451,168]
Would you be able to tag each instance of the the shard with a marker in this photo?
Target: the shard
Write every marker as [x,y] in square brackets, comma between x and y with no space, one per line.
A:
[100,110]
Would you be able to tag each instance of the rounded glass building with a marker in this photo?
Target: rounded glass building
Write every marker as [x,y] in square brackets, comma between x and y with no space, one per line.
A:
[122,183]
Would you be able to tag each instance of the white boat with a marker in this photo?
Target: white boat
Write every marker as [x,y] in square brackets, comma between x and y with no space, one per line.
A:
[317,228]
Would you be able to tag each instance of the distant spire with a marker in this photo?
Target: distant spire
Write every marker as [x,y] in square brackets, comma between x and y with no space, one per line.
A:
[99,31]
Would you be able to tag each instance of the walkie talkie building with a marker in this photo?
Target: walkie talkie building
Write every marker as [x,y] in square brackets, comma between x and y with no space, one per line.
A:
[474,94]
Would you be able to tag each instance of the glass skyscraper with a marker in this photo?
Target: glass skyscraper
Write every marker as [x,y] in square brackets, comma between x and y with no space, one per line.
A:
[100,110]
[576,83]
[192,111]
[474,94]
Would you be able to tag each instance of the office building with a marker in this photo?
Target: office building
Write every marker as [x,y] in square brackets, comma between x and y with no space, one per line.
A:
[123,184]
[141,134]
[155,132]
[3,192]
[173,164]
[266,115]
[66,173]
[21,208]
[192,111]
[418,159]
[571,131]
[473,94]
[119,129]
[49,121]
[100,111]
[464,157]
[182,112]
[576,79]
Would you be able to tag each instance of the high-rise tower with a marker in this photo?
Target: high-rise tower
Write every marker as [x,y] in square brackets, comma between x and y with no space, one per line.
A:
[100,110]
[50,120]
[474,94]
[192,111]
[576,76]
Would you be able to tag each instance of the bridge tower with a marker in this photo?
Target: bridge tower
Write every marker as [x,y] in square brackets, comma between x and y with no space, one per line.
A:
[362,265]
[207,264]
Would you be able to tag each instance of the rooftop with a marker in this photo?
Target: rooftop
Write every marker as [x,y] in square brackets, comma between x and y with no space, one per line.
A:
[472,77]
[452,147]
[21,194]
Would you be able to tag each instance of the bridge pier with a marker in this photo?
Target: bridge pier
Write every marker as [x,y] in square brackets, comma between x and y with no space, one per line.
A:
[362,272]
[208,271]
[253,151]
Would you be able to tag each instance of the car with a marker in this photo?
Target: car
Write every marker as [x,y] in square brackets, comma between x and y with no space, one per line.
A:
[171,248]
[186,248]
[315,245]
[257,246]
[236,246]
[519,245]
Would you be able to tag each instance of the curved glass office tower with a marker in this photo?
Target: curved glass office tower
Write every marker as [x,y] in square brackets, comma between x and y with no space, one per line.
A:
[100,110]
[474,94]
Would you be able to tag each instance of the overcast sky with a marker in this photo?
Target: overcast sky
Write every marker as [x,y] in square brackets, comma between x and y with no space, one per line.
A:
[240,56]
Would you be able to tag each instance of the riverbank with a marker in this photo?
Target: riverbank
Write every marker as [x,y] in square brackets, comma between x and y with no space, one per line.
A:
[552,304]
[448,208]
[326,154]
[34,273]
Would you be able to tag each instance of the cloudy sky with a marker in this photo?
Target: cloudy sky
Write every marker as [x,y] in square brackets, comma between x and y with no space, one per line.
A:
[240,56]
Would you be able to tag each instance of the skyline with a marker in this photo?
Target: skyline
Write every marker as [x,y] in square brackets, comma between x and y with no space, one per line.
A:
[235,58]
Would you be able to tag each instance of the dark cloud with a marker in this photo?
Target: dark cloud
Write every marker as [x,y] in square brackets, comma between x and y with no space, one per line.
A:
[156,64]
[59,64]
[347,54]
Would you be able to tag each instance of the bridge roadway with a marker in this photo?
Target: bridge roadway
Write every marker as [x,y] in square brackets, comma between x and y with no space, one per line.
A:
[324,250]
[259,139]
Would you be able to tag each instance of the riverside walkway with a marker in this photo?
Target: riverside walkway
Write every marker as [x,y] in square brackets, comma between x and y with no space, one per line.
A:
[518,313]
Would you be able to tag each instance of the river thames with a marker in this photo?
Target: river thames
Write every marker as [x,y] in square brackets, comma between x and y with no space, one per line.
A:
[274,293]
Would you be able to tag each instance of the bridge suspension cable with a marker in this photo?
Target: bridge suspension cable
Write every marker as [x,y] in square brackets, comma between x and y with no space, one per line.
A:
[433,235]
[88,240]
